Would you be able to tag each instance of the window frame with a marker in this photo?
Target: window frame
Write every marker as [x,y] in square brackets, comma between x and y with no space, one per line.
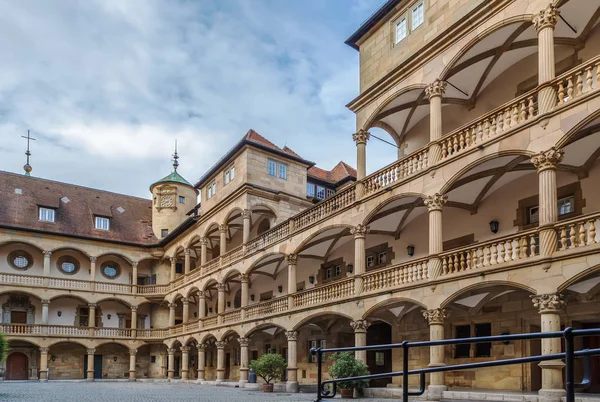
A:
[98,218]
[112,264]
[45,211]
[211,190]
[274,164]
[320,189]
[279,171]
[412,14]
[397,21]
[12,256]
[229,175]
[164,233]
[181,199]
[310,190]
[66,259]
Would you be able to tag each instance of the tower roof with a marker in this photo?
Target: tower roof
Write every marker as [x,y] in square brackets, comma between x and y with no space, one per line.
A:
[174,177]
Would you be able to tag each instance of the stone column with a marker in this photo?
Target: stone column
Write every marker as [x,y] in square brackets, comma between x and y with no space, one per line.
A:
[361,138]
[203,245]
[93,273]
[244,279]
[360,338]
[45,304]
[185,362]
[437,384]
[201,361]
[221,298]
[292,357]
[220,360]
[186,267]
[92,318]
[247,220]
[545,163]
[435,203]
[201,305]
[173,268]
[134,275]
[544,23]
[47,255]
[171,363]
[435,91]
[223,239]
[243,360]
[163,364]
[90,364]
[292,260]
[132,353]
[44,364]
[172,314]
[360,233]
[186,309]
[550,306]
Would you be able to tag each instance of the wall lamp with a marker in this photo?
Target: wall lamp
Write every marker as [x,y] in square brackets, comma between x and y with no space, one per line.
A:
[494,226]
[410,250]
[210,309]
[115,359]
[53,358]
[311,279]
[228,304]
[280,288]
[59,313]
[350,268]
[108,316]
[251,297]
[504,334]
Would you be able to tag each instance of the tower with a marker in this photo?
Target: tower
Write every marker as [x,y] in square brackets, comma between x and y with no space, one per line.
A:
[172,198]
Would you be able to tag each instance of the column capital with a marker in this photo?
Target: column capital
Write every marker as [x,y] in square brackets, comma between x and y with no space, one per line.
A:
[173,260]
[201,347]
[223,228]
[244,278]
[47,253]
[185,301]
[246,214]
[91,351]
[171,351]
[291,335]
[132,352]
[292,259]
[360,325]
[549,303]
[46,302]
[547,160]
[361,137]
[44,350]
[221,344]
[186,251]
[435,316]
[220,287]
[201,294]
[359,231]
[185,349]
[93,260]
[92,305]
[546,18]
[435,202]
[134,309]
[436,88]
[172,305]
[243,342]
[203,241]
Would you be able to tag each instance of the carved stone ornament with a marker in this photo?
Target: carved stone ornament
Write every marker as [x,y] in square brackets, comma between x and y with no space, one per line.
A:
[244,278]
[546,18]
[46,302]
[187,251]
[220,287]
[185,300]
[132,352]
[221,344]
[360,325]
[549,303]
[203,241]
[47,254]
[243,342]
[292,259]
[547,159]
[435,316]
[223,228]
[44,350]
[435,202]
[133,309]
[166,197]
[201,346]
[91,351]
[201,294]
[291,335]
[360,230]
[173,260]
[171,351]
[246,214]
[436,88]
[172,305]
[361,137]
[93,260]
[185,349]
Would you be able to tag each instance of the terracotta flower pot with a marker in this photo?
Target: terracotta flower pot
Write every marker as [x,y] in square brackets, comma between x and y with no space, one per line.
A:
[347,393]
[267,387]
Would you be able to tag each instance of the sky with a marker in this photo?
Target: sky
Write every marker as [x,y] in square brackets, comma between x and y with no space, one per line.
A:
[107,86]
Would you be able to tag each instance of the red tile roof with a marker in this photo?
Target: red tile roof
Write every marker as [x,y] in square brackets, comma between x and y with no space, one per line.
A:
[255,137]
[75,213]
[339,172]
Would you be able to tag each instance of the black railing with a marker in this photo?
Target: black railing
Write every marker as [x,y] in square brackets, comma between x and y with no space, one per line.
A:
[569,355]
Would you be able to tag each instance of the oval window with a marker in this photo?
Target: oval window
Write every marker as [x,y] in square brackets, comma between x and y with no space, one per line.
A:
[68,265]
[20,259]
[110,270]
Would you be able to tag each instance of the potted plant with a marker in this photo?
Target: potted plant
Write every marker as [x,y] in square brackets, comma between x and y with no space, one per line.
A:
[346,365]
[269,367]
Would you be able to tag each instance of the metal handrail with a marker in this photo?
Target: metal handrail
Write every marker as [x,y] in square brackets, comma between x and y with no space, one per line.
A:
[569,355]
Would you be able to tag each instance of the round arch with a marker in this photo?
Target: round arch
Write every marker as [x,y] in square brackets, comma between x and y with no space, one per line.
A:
[311,317]
[118,255]
[228,333]
[306,241]
[115,300]
[589,272]
[23,292]
[585,127]
[191,291]
[32,341]
[70,296]
[263,326]
[115,342]
[369,123]
[76,342]
[25,243]
[390,200]
[206,337]
[392,301]
[484,285]
[211,228]
[231,215]
[193,240]
[210,283]
[189,340]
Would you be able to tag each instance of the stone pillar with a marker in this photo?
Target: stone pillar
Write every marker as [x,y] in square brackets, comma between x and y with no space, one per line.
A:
[223,239]
[544,23]
[360,262]
[134,275]
[185,362]
[244,279]
[243,360]
[44,364]
[186,267]
[220,360]
[172,314]
[163,364]
[203,245]
[360,338]
[45,304]
[201,361]
[247,220]
[435,91]
[132,353]
[361,138]
[292,357]
[550,306]
[435,203]
[173,268]
[437,384]
[90,364]
[201,305]
[92,318]
[171,363]
[92,273]
[47,255]
[134,321]
[221,298]
[186,309]
[292,260]
[545,163]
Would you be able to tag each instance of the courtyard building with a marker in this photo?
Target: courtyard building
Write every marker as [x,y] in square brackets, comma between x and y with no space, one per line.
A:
[485,224]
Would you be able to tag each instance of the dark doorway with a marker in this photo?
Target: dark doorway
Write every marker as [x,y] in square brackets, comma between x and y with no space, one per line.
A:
[535,349]
[177,364]
[97,366]
[593,342]
[18,317]
[16,366]
[227,365]
[379,361]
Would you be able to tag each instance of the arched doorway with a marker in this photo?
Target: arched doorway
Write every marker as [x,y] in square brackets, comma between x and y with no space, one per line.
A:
[16,366]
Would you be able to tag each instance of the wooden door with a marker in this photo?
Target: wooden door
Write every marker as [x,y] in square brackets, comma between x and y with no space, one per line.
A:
[18,317]
[379,333]
[593,342]
[16,366]
[227,365]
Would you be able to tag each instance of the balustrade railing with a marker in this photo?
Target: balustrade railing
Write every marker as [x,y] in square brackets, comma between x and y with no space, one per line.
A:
[210,321]
[20,329]
[232,316]
[323,294]
[233,255]
[267,307]
[113,287]
[153,333]
[211,265]
[177,329]
[386,278]
[68,283]
[191,326]
[579,81]
[153,289]
[16,279]
[578,232]
[112,332]
[269,237]
[325,208]
[66,330]
[397,171]
[516,247]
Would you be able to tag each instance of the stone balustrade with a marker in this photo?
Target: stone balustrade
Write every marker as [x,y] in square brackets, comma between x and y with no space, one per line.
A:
[271,236]
[394,276]
[397,171]
[114,287]
[322,294]
[17,279]
[233,255]
[70,284]
[231,316]
[325,208]
[578,232]
[577,82]
[267,308]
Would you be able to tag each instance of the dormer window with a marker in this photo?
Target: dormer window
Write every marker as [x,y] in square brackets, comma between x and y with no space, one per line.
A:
[46,214]
[102,223]
[229,174]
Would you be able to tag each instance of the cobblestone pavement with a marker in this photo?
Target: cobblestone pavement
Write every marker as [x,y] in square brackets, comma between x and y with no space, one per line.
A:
[136,392]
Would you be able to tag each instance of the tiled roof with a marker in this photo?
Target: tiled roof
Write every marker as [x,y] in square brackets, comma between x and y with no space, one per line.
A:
[174,177]
[76,206]
[339,173]
[255,137]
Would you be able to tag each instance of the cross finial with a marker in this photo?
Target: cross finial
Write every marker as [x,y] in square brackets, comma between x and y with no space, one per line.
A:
[175,157]
[27,168]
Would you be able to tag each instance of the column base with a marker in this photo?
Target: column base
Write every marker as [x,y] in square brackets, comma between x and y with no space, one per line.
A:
[551,395]
[243,383]
[292,386]
[435,392]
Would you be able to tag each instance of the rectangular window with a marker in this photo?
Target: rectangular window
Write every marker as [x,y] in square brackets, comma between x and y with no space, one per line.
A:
[310,189]
[322,343]
[462,350]
[320,192]
[178,268]
[483,349]
[102,223]
[46,214]
[566,205]
[379,359]
[312,345]
[370,260]
[338,270]
[181,199]
[272,168]
[229,174]
[418,15]
[211,190]
[401,29]
[328,273]
[382,258]
[164,232]
[329,192]
[282,171]
[533,214]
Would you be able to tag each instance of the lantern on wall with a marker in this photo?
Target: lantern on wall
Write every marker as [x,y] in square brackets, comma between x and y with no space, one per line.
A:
[280,288]
[350,268]
[494,226]
[411,250]
[311,279]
